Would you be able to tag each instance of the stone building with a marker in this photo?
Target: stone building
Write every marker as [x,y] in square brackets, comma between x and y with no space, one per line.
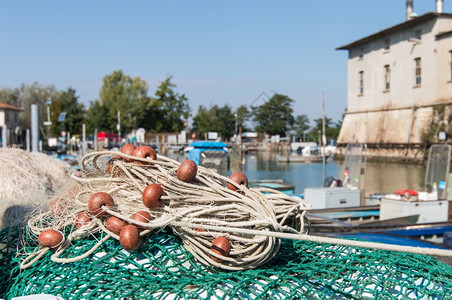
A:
[400,86]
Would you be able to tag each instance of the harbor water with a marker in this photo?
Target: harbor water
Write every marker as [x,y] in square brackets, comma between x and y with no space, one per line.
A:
[378,177]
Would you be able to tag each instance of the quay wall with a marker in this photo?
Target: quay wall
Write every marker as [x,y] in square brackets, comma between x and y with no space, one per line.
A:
[397,134]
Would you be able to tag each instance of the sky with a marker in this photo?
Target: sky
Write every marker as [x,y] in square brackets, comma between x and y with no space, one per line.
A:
[236,52]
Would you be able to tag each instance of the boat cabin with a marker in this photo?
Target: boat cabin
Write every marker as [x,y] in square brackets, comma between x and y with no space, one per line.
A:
[209,154]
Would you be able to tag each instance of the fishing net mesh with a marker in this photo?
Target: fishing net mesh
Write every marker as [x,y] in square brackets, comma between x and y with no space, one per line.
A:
[163,269]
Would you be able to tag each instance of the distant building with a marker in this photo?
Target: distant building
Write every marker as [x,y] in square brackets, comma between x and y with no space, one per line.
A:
[399,80]
[9,116]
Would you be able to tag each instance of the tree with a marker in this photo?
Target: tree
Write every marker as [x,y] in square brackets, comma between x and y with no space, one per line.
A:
[215,119]
[274,116]
[301,125]
[332,132]
[331,129]
[243,115]
[67,102]
[35,94]
[174,108]
[96,117]
[43,96]
[10,96]
[123,96]
[225,121]
[202,121]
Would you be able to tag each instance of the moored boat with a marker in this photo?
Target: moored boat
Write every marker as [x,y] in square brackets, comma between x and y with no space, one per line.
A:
[338,210]
[275,184]
[212,155]
[300,158]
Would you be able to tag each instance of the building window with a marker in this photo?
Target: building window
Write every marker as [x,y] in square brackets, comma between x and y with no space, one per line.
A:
[387,43]
[418,71]
[417,34]
[7,117]
[387,78]
[450,64]
[361,82]
[361,53]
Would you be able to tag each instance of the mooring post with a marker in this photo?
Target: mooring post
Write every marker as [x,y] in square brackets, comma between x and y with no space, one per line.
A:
[5,136]
[27,139]
[34,128]
[83,140]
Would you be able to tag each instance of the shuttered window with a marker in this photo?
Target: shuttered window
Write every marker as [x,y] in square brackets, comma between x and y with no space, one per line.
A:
[361,82]
[387,78]
[418,71]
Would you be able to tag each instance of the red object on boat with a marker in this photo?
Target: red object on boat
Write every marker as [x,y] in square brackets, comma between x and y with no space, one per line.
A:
[401,191]
[412,193]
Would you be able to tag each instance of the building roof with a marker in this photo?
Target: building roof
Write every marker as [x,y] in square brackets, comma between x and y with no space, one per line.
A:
[444,33]
[387,31]
[5,106]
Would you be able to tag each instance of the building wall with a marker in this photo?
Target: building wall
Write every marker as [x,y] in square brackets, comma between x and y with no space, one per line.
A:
[9,117]
[396,126]
[400,57]
[399,114]
[444,63]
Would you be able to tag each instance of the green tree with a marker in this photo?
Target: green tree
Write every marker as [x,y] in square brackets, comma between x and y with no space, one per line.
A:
[274,116]
[96,117]
[39,95]
[301,126]
[225,121]
[174,108]
[331,129]
[332,132]
[215,119]
[243,115]
[124,97]
[43,96]
[67,102]
[152,120]
[202,121]
[10,96]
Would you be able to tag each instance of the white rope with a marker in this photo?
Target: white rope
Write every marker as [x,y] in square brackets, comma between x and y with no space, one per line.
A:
[207,201]
[320,239]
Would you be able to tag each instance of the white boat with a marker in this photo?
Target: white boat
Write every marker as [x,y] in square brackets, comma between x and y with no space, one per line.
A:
[300,158]
[401,213]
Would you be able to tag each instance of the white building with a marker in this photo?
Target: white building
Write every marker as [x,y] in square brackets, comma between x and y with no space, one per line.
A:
[399,81]
[9,116]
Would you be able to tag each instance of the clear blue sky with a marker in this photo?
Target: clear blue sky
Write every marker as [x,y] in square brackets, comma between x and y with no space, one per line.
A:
[218,52]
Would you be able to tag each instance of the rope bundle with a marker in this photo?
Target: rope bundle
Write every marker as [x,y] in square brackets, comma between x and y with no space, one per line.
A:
[196,211]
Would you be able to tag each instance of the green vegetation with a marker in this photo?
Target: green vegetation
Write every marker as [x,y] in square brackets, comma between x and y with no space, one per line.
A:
[67,102]
[440,121]
[274,116]
[217,119]
[173,108]
[125,101]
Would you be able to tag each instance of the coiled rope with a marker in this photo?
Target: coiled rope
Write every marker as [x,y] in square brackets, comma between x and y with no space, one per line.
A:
[187,208]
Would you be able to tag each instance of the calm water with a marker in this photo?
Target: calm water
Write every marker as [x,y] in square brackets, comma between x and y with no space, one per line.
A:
[379,177]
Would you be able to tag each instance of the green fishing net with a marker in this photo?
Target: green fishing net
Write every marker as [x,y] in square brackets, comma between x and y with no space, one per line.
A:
[163,269]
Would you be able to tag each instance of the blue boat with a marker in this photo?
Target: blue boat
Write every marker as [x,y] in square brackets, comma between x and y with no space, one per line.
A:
[275,184]
[210,154]
[392,239]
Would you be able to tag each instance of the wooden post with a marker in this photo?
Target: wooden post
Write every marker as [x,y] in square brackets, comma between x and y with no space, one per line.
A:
[242,162]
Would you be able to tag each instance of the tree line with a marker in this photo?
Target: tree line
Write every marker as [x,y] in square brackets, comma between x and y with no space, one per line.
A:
[124,103]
